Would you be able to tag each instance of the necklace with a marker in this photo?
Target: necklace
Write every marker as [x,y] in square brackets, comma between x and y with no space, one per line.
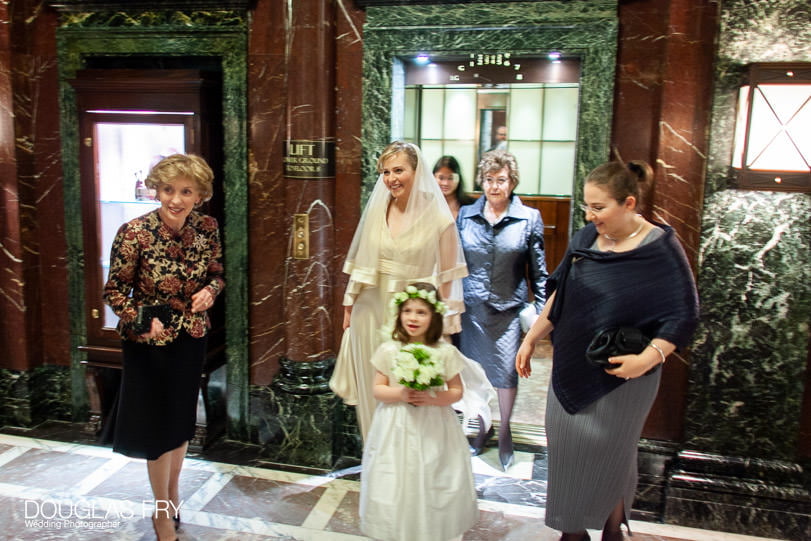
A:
[632,235]
[491,215]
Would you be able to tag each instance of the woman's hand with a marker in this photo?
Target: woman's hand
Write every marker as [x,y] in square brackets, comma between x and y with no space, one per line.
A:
[523,360]
[539,330]
[627,366]
[347,316]
[404,394]
[634,366]
[202,300]
[155,330]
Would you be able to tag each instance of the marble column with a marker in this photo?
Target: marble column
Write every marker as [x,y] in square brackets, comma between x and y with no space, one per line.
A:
[741,467]
[661,115]
[301,406]
[348,177]
[12,304]
[309,186]
[33,295]
[664,81]
[123,38]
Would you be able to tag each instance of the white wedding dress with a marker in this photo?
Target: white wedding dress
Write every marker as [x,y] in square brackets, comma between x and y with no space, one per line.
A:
[417,482]
[379,265]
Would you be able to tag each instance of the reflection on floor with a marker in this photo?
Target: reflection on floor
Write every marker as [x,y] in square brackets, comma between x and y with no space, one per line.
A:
[74,491]
[530,402]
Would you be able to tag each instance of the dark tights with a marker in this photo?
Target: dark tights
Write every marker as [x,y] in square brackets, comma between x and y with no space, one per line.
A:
[615,519]
[506,401]
[611,529]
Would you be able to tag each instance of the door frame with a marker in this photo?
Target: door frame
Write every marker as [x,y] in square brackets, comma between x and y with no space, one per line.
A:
[222,37]
[97,333]
[393,34]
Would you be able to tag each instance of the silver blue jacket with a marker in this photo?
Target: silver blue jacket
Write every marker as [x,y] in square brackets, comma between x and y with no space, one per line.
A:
[502,258]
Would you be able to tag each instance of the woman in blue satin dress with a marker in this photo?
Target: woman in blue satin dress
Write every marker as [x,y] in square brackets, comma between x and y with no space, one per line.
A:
[504,250]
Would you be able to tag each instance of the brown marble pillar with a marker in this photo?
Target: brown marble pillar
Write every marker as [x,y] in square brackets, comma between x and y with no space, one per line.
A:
[662,107]
[348,152]
[296,418]
[268,216]
[12,304]
[309,183]
[268,213]
[33,253]
[662,115]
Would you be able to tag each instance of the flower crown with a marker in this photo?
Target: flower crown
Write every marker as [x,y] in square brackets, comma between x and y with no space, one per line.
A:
[412,292]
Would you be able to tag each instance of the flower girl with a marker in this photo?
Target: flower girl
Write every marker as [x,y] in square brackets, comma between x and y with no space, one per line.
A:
[417,482]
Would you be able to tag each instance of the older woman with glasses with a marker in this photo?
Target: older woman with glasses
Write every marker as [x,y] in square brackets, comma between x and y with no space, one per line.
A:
[504,250]
[620,270]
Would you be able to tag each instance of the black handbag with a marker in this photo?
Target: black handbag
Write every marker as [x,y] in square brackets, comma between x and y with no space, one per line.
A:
[143,323]
[615,341]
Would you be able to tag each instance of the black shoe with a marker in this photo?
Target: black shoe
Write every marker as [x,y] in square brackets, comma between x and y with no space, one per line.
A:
[480,441]
[176,518]
[155,527]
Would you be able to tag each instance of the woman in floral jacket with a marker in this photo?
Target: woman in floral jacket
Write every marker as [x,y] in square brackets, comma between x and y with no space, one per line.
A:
[170,258]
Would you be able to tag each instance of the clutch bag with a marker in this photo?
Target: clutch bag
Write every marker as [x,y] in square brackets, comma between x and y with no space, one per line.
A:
[613,342]
[145,314]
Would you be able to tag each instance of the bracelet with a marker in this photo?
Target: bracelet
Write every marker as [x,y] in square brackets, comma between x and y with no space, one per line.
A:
[657,348]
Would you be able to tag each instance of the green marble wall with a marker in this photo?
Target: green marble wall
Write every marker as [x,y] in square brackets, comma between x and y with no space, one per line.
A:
[587,29]
[31,397]
[299,420]
[740,470]
[218,34]
[754,277]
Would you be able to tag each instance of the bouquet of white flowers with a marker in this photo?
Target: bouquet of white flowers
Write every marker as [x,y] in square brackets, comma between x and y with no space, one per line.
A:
[417,367]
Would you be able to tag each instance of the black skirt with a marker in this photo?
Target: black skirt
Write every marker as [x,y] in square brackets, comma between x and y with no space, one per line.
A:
[157,402]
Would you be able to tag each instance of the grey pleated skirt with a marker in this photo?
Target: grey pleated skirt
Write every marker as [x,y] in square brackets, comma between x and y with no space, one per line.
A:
[593,454]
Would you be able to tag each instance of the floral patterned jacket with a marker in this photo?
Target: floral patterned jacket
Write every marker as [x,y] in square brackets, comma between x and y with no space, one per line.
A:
[151,264]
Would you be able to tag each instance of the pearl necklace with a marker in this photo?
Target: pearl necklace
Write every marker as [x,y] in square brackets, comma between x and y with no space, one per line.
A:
[629,237]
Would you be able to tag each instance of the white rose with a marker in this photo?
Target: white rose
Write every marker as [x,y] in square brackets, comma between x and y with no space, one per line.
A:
[423,377]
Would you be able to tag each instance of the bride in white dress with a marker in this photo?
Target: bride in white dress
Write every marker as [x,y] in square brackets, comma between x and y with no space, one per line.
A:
[406,234]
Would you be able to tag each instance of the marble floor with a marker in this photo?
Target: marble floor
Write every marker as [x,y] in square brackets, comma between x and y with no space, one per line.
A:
[54,485]
[530,402]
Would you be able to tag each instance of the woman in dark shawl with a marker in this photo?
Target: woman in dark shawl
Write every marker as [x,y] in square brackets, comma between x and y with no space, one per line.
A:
[620,270]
